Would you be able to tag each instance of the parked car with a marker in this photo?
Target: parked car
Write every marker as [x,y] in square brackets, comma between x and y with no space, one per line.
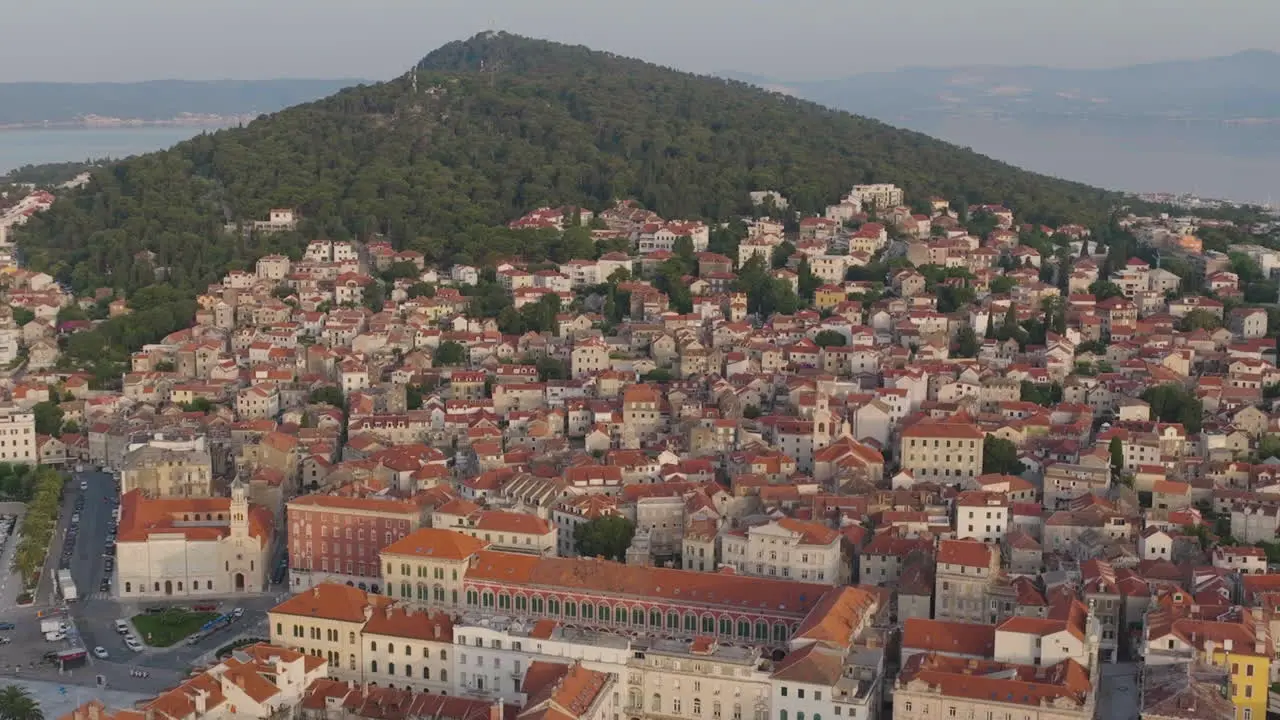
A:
[55,636]
[133,644]
[100,653]
[7,626]
[122,627]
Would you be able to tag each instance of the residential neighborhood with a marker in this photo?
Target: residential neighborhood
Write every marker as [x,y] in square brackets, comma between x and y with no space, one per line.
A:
[870,463]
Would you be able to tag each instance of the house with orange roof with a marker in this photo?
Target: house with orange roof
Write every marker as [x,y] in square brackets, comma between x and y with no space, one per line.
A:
[946,450]
[931,681]
[499,529]
[192,547]
[964,580]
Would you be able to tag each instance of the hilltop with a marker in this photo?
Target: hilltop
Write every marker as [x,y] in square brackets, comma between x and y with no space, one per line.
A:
[492,127]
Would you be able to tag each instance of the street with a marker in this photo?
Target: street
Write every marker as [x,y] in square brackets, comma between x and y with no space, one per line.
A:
[94,614]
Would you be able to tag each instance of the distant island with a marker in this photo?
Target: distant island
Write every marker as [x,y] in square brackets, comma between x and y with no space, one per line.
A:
[185,103]
[1240,88]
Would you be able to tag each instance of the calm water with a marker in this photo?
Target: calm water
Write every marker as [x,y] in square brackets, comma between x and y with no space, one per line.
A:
[1237,162]
[33,147]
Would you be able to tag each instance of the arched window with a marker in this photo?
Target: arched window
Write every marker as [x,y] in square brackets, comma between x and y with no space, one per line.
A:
[553,606]
[637,617]
[443,656]
[391,648]
[522,603]
[373,646]
[473,598]
[504,602]
[486,600]
[782,715]
[673,620]
[779,633]
[726,626]
[408,671]
[655,618]
[655,703]
[588,611]
[373,666]
[744,629]
[570,609]
[708,624]
[406,591]
[444,676]
[620,615]
[762,630]
[426,673]
[799,716]
[391,668]
[536,605]
[128,587]
[690,622]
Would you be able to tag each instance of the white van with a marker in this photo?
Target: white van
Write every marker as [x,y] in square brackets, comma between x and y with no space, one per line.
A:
[122,627]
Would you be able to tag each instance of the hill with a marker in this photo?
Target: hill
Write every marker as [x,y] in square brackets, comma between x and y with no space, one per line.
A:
[498,124]
[1231,88]
[66,104]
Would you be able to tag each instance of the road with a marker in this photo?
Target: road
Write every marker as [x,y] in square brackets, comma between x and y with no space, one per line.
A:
[95,522]
[93,616]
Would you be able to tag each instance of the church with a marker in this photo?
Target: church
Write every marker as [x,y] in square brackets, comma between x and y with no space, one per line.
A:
[192,547]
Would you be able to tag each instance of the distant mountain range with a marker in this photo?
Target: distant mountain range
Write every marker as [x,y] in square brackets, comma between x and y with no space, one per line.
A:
[1244,87]
[156,101]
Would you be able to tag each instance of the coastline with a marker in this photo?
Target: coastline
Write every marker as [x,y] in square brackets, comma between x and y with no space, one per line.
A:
[194,122]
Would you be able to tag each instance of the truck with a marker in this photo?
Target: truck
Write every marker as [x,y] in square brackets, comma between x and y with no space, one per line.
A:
[50,625]
[67,586]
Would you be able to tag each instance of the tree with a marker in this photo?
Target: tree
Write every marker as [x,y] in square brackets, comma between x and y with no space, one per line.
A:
[1002,285]
[328,395]
[607,536]
[1000,456]
[830,338]
[200,404]
[967,343]
[422,289]
[1199,319]
[750,412]
[48,418]
[450,353]
[16,703]
[1175,404]
[1268,446]
[1116,448]
[22,316]
[1103,290]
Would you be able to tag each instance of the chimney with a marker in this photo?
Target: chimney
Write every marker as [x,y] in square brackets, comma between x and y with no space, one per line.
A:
[315,591]
[1226,644]
[495,710]
[201,702]
[368,612]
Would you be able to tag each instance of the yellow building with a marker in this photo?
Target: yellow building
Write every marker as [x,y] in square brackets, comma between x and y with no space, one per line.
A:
[828,296]
[1237,642]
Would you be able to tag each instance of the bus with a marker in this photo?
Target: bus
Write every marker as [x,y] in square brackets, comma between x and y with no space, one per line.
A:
[73,658]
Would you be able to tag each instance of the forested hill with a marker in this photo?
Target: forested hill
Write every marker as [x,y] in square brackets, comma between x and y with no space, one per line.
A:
[497,125]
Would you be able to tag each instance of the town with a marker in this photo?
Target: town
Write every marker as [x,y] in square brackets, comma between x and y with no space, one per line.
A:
[871,463]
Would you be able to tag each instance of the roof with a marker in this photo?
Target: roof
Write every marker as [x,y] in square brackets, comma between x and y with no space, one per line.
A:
[436,543]
[332,601]
[952,638]
[998,682]
[610,578]
[970,553]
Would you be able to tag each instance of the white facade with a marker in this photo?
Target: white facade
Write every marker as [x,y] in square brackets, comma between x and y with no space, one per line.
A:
[18,436]
[790,549]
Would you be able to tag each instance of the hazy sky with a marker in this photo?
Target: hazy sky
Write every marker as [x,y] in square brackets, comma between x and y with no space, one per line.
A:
[118,40]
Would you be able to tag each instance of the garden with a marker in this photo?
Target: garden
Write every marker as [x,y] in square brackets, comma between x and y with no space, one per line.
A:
[171,626]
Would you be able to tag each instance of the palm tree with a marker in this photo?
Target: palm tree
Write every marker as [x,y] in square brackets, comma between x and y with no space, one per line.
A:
[17,704]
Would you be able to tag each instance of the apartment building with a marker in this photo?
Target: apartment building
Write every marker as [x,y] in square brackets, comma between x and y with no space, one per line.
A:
[946,450]
[788,548]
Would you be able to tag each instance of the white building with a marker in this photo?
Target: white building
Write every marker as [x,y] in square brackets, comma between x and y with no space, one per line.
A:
[191,547]
[17,436]
[982,516]
[788,548]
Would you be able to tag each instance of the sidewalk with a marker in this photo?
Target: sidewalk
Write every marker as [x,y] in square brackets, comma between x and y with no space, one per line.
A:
[58,699]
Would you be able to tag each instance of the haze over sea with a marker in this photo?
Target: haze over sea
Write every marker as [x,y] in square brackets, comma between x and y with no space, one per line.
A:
[1237,162]
[38,146]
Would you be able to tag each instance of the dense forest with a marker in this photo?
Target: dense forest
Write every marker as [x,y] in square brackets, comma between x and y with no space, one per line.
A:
[497,125]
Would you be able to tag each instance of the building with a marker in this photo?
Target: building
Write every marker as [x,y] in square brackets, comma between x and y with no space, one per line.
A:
[982,516]
[18,436]
[160,467]
[932,686]
[788,548]
[964,574]
[428,566]
[191,547]
[502,530]
[338,538]
[327,621]
[947,450]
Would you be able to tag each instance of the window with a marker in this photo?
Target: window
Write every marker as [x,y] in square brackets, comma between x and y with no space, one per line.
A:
[800,693]
[784,691]
[373,666]
[675,706]
[782,715]
[655,704]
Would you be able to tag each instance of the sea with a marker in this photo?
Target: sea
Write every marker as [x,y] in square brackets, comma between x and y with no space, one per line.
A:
[1215,160]
[40,145]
